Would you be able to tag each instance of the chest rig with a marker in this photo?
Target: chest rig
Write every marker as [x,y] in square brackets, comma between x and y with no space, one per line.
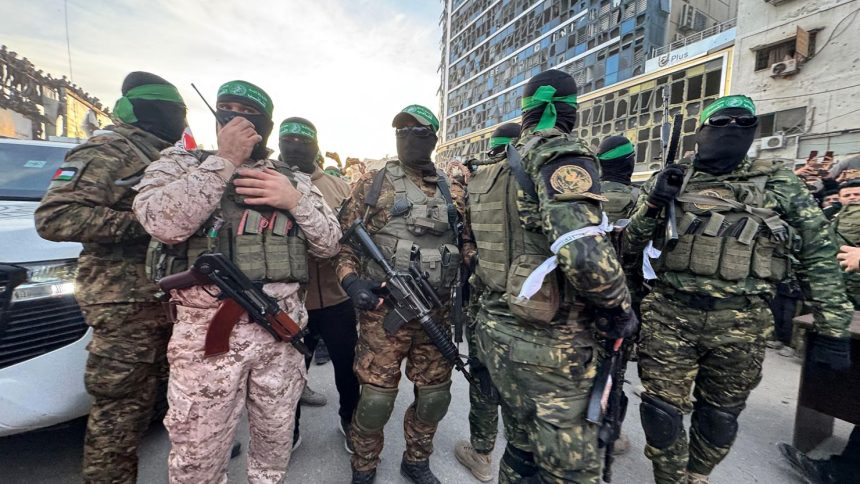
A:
[730,227]
[265,243]
[419,227]
[620,199]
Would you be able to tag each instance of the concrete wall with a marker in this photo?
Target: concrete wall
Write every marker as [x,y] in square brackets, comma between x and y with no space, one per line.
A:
[716,11]
[824,84]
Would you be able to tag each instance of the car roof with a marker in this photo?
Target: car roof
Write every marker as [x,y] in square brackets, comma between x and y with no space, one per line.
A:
[38,142]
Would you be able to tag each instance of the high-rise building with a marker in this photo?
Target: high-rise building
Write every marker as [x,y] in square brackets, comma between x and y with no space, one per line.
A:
[490,48]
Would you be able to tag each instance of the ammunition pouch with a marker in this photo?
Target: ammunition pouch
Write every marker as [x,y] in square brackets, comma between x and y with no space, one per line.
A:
[543,306]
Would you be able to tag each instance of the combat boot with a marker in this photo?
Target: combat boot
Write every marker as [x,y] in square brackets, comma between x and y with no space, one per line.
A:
[693,478]
[418,472]
[363,477]
[479,464]
[813,470]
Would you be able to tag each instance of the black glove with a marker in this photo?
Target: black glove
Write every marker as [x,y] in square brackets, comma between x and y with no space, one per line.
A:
[614,323]
[485,383]
[365,294]
[667,186]
[829,351]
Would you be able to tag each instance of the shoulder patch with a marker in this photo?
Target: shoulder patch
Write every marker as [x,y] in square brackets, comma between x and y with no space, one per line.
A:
[67,172]
[572,179]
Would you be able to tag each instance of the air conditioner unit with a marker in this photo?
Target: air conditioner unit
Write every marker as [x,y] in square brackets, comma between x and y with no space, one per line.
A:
[772,142]
[686,21]
[784,68]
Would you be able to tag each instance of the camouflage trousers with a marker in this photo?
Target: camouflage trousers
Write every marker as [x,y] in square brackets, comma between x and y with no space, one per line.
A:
[720,351]
[378,357]
[544,377]
[483,410]
[208,395]
[125,369]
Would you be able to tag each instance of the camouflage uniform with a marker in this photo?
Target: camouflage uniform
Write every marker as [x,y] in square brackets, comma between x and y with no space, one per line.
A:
[127,362]
[378,356]
[706,320]
[540,351]
[846,227]
[620,199]
[178,194]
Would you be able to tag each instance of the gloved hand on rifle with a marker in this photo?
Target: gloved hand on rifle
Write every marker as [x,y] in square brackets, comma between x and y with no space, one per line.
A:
[667,186]
[485,383]
[615,323]
[830,351]
[365,294]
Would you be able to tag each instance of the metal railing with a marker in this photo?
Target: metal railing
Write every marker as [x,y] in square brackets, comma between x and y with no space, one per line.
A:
[716,29]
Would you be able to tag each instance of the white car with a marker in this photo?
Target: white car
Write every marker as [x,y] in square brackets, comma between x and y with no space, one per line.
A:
[43,335]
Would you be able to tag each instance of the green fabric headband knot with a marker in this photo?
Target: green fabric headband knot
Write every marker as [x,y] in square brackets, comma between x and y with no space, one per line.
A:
[124,110]
[250,92]
[546,95]
[734,101]
[500,141]
[619,151]
[293,128]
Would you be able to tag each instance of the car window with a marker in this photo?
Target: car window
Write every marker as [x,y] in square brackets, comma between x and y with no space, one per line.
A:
[26,170]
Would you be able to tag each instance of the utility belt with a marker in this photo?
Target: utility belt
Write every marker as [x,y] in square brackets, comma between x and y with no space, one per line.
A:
[704,302]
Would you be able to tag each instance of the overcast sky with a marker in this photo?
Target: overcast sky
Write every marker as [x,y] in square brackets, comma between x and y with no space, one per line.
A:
[347,65]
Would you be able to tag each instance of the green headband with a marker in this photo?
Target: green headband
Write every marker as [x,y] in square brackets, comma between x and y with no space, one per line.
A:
[617,152]
[500,141]
[297,129]
[124,110]
[422,112]
[734,101]
[249,92]
[546,95]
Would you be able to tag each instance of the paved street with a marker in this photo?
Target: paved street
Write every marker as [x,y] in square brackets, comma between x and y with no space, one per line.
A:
[54,456]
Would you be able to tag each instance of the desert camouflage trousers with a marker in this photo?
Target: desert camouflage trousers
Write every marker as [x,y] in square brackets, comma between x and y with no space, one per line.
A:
[483,410]
[126,371]
[207,397]
[378,357]
[544,377]
[720,351]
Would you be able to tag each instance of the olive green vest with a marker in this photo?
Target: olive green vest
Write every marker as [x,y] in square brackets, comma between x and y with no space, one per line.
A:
[265,243]
[419,229]
[620,199]
[846,225]
[728,228]
[509,248]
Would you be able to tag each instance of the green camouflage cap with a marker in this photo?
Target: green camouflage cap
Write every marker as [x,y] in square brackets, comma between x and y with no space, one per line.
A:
[419,113]
[725,102]
[243,91]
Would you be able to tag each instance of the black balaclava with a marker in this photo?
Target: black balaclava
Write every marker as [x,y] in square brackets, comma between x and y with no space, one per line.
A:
[301,154]
[245,93]
[502,136]
[413,150]
[616,156]
[564,86]
[720,150]
[153,105]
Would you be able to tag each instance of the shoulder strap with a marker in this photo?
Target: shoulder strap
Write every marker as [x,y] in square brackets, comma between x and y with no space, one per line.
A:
[375,188]
[515,161]
[442,183]
[145,159]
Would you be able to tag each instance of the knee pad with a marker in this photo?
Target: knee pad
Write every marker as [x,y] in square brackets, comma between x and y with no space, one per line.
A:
[520,461]
[718,426]
[661,421]
[374,408]
[431,402]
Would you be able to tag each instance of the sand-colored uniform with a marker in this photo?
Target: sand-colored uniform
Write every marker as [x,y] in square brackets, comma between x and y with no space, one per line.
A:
[178,194]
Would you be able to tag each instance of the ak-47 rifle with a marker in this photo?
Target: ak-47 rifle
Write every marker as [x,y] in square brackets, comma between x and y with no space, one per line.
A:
[607,404]
[670,151]
[239,295]
[410,297]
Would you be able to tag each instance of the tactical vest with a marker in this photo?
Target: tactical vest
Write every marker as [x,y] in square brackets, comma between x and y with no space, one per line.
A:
[846,226]
[728,228]
[510,247]
[420,228]
[621,199]
[265,243]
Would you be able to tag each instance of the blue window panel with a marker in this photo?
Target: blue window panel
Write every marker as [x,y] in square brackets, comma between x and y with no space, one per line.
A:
[579,49]
[611,78]
[490,83]
[628,25]
[612,64]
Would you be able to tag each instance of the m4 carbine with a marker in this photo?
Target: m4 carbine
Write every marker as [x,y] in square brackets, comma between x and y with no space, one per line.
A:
[410,297]
[239,295]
